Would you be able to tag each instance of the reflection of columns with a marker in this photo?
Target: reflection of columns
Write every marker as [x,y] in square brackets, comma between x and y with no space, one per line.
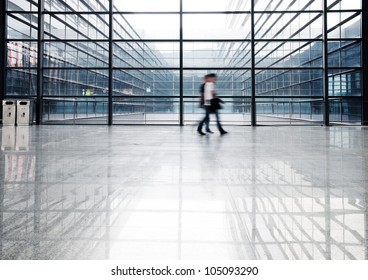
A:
[366,219]
[2,193]
[108,198]
[254,189]
[180,208]
[327,201]
[37,199]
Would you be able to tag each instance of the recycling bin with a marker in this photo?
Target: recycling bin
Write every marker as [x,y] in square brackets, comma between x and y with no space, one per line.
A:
[9,112]
[24,112]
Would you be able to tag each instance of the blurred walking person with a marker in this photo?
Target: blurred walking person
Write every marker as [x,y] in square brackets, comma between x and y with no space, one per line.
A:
[206,120]
[211,104]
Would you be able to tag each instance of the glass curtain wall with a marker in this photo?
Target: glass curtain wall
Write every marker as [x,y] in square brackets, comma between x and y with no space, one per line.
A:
[142,61]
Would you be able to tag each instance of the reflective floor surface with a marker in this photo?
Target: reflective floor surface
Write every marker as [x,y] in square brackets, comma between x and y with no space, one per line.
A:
[164,192]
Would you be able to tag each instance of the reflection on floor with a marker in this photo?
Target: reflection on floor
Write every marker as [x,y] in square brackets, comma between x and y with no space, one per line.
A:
[136,192]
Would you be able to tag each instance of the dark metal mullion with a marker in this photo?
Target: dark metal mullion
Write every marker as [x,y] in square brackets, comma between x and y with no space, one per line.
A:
[111,55]
[40,51]
[253,72]
[181,62]
[326,113]
[3,55]
[364,26]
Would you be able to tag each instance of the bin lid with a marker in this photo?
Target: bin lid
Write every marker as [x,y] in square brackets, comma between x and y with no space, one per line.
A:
[23,102]
[8,102]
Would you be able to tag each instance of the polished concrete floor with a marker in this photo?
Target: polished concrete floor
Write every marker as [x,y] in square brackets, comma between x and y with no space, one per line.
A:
[164,192]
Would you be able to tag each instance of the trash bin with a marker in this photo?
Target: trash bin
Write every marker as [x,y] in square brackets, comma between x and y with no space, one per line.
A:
[24,112]
[9,112]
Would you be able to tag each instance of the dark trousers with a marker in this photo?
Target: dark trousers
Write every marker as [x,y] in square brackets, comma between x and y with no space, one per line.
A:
[206,120]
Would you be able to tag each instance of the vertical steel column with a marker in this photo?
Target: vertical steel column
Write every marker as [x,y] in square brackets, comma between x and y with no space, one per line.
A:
[181,101]
[253,72]
[326,113]
[40,49]
[111,55]
[364,23]
[3,54]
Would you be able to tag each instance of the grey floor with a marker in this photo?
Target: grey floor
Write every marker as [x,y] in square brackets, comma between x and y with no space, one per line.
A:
[164,192]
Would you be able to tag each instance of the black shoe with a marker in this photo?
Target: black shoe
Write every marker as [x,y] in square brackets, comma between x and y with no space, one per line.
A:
[223,132]
[209,131]
[200,132]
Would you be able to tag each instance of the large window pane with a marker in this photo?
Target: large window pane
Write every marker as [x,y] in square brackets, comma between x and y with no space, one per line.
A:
[289,82]
[344,54]
[76,54]
[345,111]
[76,26]
[218,5]
[215,26]
[75,82]
[22,54]
[344,25]
[146,26]
[146,82]
[75,110]
[288,54]
[229,82]
[289,111]
[146,54]
[146,110]
[22,26]
[147,5]
[288,26]
[234,111]
[344,4]
[77,5]
[21,82]
[21,5]
[285,5]
[217,54]
[344,82]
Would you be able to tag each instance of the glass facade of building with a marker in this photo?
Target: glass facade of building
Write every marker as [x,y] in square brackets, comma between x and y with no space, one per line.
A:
[142,61]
